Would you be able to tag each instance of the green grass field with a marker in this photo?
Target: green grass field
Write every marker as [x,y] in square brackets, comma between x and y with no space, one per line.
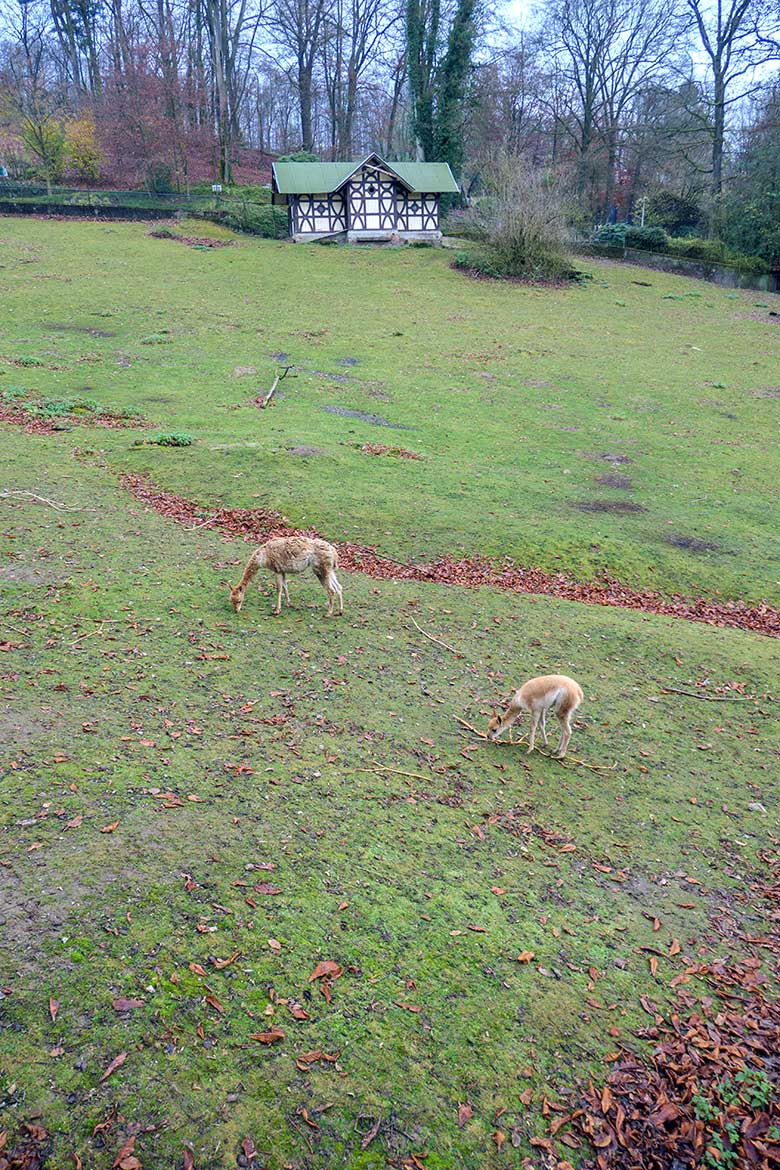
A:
[183,786]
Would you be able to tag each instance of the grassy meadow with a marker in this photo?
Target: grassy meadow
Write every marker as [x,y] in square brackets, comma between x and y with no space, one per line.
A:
[197,808]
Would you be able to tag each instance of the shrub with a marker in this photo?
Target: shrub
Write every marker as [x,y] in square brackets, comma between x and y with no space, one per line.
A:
[679,215]
[171,439]
[631,235]
[258,220]
[299,156]
[522,222]
[716,252]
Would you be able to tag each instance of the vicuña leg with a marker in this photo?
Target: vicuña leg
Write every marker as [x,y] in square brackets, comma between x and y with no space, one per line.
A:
[544,726]
[565,721]
[535,716]
[280,585]
[335,590]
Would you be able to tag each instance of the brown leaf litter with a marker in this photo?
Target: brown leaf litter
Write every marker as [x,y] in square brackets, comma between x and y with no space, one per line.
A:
[259,524]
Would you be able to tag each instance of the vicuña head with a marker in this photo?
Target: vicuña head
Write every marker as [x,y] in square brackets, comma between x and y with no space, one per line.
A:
[237,595]
[556,692]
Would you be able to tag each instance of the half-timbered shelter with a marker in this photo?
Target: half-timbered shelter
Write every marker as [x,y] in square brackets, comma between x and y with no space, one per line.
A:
[362,201]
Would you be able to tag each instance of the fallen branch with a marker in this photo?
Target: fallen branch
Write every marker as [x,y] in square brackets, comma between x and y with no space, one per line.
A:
[394,771]
[42,500]
[563,760]
[279,378]
[203,525]
[708,698]
[477,732]
[438,641]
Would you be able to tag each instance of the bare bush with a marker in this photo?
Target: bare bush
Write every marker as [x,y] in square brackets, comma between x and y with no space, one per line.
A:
[523,221]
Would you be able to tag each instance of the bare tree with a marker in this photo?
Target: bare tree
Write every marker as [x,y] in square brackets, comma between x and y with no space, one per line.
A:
[297,27]
[737,37]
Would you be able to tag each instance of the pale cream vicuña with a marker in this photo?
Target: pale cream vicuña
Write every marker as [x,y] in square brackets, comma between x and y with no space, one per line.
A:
[556,692]
[292,554]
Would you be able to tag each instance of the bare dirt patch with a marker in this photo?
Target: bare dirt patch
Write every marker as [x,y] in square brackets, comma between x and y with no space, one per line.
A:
[767,392]
[608,457]
[613,480]
[19,573]
[63,327]
[375,420]
[615,507]
[306,452]
[691,543]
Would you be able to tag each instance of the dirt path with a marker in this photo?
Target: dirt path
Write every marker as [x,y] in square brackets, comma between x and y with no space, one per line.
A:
[257,524]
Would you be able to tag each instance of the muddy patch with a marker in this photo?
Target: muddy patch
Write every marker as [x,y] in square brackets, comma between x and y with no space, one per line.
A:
[607,457]
[281,357]
[348,361]
[244,371]
[379,395]
[306,452]
[615,507]
[18,573]
[63,327]
[613,479]
[692,543]
[376,420]
[767,392]
[20,727]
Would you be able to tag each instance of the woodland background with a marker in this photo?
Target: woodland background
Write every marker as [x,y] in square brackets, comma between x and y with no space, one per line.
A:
[667,108]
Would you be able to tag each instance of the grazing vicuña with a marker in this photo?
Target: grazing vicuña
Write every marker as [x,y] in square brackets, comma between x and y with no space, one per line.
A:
[538,696]
[292,554]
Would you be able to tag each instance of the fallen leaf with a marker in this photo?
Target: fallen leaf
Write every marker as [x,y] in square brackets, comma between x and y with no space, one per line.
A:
[326,969]
[409,1007]
[296,1011]
[126,1159]
[674,947]
[465,1113]
[275,945]
[188,1162]
[116,1063]
[266,888]
[268,1037]
[212,1001]
[121,1004]
[54,1007]
[110,828]
[369,1137]
[525,957]
[499,1137]
[220,964]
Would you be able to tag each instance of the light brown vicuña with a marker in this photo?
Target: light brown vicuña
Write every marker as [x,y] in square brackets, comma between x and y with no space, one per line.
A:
[550,691]
[292,554]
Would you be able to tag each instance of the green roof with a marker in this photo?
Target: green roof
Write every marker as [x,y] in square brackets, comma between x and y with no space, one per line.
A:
[318,178]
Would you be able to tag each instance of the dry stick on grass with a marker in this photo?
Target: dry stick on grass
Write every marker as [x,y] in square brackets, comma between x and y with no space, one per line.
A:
[42,500]
[198,526]
[438,641]
[272,391]
[563,761]
[395,772]
[708,698]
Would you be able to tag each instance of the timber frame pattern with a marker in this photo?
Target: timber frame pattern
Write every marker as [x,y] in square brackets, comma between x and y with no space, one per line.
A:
[368,200]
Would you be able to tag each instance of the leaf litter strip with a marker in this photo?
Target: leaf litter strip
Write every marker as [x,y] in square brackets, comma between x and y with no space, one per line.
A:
[258,524]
